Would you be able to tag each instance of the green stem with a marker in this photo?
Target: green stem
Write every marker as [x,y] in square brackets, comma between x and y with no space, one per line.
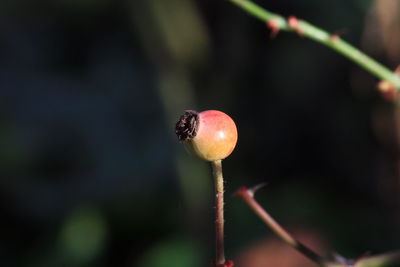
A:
[219,212]
[308,30]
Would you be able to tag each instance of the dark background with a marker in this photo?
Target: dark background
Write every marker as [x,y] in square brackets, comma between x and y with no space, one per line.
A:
[92,174]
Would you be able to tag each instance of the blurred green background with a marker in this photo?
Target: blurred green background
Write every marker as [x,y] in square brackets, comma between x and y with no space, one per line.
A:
[92,174]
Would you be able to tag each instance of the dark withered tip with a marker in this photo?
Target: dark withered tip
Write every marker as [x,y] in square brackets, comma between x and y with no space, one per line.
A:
[186,127]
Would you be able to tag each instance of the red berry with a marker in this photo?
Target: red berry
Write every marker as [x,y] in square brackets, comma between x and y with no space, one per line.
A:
[210,135]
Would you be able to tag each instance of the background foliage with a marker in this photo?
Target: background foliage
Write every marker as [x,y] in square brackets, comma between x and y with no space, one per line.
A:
[92,174]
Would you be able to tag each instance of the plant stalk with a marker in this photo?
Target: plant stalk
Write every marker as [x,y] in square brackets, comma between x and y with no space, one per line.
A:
[306,29]
[219,212]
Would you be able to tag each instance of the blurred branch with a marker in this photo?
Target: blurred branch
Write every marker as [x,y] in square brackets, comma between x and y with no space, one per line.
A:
[387,259]
[292,24]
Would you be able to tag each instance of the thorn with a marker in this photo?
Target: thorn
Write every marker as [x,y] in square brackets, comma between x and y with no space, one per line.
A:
[293,23]
[226,264]
[273,26]
[337,35]
[241,191]
[388,90]
[229,264]
[255,188]
[397,70]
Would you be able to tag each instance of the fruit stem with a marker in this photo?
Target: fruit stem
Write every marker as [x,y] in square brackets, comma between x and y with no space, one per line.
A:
[219,212]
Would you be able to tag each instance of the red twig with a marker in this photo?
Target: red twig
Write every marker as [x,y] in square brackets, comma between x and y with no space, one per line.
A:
[248,196]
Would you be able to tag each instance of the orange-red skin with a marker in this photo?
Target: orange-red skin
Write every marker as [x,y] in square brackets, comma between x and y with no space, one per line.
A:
[216,136]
